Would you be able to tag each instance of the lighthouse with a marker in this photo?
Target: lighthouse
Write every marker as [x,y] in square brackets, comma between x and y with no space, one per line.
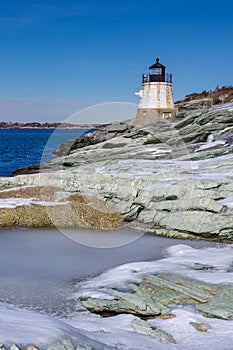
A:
[156,99]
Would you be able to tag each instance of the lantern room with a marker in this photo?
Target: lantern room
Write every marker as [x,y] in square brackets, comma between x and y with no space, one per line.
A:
[157,72]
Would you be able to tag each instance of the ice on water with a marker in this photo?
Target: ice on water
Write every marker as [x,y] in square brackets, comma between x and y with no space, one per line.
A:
[116,332]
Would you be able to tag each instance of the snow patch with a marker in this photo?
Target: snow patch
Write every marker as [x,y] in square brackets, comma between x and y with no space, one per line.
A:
[210,145]
[23,327]
[180,260]
[12,203]
[227,202]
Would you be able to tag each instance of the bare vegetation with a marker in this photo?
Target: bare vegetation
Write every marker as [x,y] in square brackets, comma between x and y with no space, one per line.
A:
[219,95]
[76,212]
[76,198]
[96,218]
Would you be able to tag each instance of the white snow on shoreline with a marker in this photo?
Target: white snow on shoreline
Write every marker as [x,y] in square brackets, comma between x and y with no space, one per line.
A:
[210,145]
[226,106]
[179,259]
[14,189]
[12,203]
[118,332]
[24,327]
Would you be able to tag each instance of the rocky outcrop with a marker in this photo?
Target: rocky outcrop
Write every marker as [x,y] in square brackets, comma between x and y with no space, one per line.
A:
[192,105]
[205,99]
[93,137]
[154,296]
[30,169]
[173,178]
[64,148]
[200,327]
[143,327]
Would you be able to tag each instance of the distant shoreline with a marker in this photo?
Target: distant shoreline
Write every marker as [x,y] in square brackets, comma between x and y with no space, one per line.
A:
[37,125]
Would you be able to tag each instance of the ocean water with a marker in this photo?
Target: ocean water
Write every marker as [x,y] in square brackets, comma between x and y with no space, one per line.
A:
[23,147]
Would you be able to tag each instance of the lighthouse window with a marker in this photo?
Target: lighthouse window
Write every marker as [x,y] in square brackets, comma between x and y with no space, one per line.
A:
[156,71]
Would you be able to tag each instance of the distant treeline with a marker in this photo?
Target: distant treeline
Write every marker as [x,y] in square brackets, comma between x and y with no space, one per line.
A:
[46,125]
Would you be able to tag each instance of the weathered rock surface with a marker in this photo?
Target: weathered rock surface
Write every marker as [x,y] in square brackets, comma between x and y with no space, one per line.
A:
[187,106]
[143,327]
[155,296]
[62,150]
[93,137]
[201,327]
[30,169]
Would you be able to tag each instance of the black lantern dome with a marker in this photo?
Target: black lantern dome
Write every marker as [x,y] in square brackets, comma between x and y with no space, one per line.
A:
[157,72]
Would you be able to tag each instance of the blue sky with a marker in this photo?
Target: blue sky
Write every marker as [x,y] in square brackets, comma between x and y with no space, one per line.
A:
[71,54]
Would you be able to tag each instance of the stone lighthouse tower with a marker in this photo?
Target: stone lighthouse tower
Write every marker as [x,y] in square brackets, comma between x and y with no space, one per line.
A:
[156,99]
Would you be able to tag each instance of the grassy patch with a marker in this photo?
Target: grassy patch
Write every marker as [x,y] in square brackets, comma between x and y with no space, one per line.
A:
[77,211]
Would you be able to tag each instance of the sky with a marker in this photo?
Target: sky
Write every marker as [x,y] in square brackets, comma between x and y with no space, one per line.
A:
[59,56]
